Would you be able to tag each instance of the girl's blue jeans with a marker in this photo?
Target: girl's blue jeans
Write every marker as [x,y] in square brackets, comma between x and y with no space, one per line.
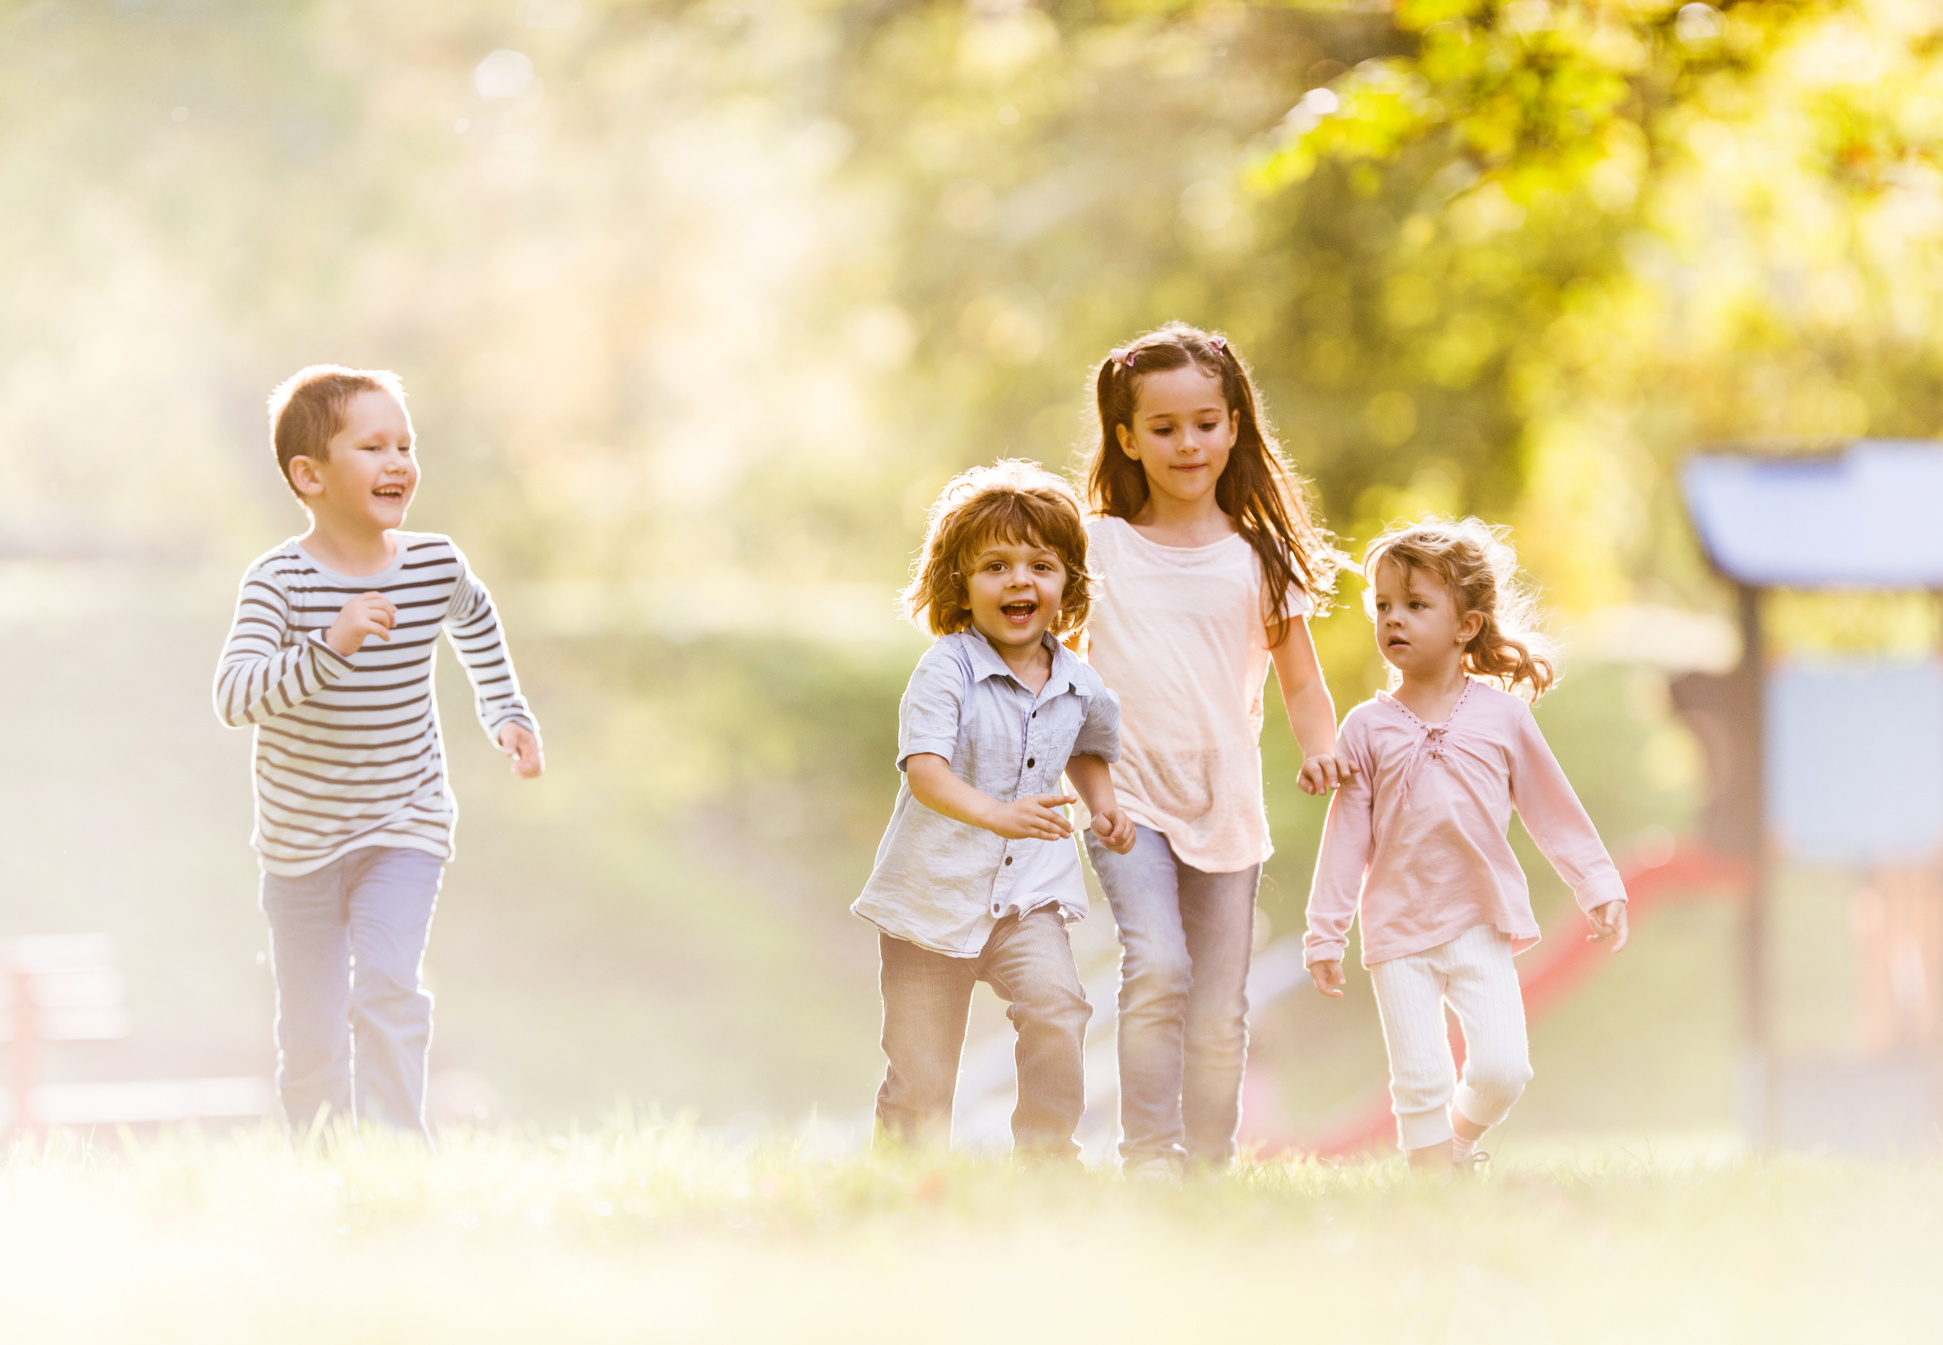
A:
[1185,936]
[353,1022]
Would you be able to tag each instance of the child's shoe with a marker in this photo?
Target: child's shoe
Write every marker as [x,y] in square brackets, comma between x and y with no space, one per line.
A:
[1158,1171]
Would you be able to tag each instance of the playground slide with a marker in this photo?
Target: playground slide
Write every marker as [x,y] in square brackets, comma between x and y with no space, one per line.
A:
[1549,973]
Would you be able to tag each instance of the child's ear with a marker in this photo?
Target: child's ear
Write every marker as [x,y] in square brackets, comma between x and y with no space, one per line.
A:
[1468,628]
[305,476]
[1124,433]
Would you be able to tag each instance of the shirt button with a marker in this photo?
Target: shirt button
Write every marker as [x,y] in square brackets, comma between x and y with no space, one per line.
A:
[1008,859]
[1030,761]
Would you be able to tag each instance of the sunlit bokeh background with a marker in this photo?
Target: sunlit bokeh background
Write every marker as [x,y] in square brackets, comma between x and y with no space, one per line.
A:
[698,305]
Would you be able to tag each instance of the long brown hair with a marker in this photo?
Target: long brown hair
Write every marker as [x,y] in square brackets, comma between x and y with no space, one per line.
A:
[1474,560]
[1258,489]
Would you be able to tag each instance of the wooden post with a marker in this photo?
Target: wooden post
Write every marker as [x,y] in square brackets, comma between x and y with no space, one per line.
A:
[25,1049]
[1756,1002]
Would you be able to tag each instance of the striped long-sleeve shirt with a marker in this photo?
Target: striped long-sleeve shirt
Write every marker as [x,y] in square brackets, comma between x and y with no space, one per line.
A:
[348,752]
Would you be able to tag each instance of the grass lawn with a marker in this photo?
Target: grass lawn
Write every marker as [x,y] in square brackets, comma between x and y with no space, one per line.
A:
[646,1232]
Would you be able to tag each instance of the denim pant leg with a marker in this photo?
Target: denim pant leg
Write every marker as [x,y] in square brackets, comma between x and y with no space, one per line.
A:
[391,899]
[310,956]
[1142,887]
[1028,961]
[927,1002]
[1218,917]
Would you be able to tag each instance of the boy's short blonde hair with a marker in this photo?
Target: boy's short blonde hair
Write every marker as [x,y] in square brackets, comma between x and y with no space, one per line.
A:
[1013,500]
[307,408]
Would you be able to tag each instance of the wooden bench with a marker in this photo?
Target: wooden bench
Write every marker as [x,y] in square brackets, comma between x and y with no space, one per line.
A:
[68,988]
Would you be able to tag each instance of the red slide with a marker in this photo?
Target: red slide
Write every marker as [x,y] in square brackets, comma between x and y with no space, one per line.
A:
[1549,973]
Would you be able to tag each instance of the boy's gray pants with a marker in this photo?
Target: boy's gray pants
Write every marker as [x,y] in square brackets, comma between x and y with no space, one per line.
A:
[927,998]
[353,1023]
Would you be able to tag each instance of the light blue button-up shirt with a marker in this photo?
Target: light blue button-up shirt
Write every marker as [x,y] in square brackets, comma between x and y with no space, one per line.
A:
[943,884]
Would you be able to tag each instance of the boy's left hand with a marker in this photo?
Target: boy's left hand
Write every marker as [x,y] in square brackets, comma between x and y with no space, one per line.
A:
[1325,771]
[1608,922]
[523,746]
[1114,829]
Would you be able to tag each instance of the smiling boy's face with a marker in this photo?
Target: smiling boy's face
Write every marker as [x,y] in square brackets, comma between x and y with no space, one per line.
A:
[1014,589]
[370,472]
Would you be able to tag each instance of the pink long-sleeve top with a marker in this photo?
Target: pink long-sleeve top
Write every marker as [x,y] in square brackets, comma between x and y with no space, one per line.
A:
[1417,839]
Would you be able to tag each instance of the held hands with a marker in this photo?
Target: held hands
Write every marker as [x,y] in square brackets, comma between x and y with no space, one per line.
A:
[1328,977]
[1325,771]
[1115,830]
[1608,922]
[523,746]
[1034,818]
[365,615]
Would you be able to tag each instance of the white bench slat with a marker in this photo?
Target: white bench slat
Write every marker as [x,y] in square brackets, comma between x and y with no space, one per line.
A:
[73,1022]
[73,985]
[56,952]
[147,1101]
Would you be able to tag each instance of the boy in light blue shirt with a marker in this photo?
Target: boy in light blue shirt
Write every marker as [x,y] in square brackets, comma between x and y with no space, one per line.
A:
[978,874]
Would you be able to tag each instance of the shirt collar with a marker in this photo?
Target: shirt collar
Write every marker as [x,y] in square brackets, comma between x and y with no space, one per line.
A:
[1385,698]
[985,662]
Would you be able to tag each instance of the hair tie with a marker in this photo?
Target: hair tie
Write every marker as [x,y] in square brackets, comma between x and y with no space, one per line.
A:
[1123,356]
[1219,344]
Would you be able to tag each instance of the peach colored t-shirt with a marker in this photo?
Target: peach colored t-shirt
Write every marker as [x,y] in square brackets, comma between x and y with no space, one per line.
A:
[1178,632]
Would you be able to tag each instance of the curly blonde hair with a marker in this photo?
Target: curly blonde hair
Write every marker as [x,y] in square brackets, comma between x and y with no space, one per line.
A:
[1014,500]
[1475,561]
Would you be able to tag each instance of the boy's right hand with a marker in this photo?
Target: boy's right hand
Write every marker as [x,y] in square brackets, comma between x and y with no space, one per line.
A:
[365,615]
[1036,818]
[1328,977]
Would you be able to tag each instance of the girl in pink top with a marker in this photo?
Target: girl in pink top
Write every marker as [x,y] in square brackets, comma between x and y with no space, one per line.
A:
[1416,837]
[1207,565]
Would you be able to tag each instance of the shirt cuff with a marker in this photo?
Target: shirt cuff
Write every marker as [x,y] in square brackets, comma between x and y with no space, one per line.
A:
[1323,950]
[333,664]
[1604,887]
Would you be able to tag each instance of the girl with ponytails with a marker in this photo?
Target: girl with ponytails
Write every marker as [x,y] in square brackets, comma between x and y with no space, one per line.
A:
[1208,565]
[1415,839]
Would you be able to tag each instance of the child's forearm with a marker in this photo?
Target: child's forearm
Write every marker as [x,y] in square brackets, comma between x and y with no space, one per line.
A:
[1305,695]
[477,637]
[1093,782]
[252,687]
[1312,718]
[933,785]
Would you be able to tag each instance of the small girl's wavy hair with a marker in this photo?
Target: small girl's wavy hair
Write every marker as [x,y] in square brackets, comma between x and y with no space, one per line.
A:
[1475,561]
[1012,500]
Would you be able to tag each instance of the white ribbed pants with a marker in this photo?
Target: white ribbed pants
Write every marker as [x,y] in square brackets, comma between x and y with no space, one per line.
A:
[1473,974]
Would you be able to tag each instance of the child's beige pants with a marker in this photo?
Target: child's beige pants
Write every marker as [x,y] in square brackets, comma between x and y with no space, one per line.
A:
[1473,974]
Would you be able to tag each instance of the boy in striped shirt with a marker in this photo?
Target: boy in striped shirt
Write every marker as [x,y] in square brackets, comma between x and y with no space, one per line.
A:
[330,659]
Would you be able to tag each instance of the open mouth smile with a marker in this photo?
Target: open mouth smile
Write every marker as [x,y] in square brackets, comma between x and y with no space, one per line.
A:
[1019,613]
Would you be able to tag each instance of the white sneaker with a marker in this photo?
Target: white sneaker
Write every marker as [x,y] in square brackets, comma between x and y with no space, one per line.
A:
[1155,1172]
